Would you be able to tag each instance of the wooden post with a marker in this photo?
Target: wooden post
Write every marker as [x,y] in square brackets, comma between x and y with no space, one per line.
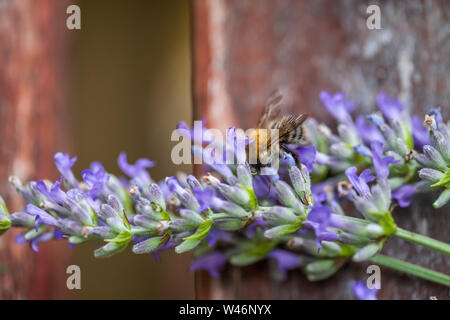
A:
[243,50]
[33,126]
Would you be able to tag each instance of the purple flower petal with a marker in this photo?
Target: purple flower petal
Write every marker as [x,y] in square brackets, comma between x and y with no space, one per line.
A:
[362,292]
[96,179]
[367,131]
[420,133]
[391,108]
[403,195]
[285,260]
[55,194]
[359,183]
[380,163]
[64,164]
[138,170]
[307,156]
[42,217]
[337,106]
[212,262]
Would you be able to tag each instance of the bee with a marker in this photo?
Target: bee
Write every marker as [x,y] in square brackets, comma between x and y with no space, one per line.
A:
[290,131]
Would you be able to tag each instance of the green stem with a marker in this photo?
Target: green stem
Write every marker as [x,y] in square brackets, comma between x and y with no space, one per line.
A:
[412,269]
[423,240]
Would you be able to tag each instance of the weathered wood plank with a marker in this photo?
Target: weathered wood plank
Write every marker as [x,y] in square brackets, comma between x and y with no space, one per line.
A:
[243,50]
[33,126]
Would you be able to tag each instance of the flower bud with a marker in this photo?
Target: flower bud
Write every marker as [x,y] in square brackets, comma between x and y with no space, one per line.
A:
[348,134]
[191,216]
[22,219]
[154,194]
[229,208]
[110,249]
[145,222]
[366,252]
[435,157]
[244,175]
[193,183]
[441,145]
[302,184]
[401,147]
[100,232]
[233,193]
[186,198]
[340,150]
[430,175]
[443,199]
[286,196]
[280,215]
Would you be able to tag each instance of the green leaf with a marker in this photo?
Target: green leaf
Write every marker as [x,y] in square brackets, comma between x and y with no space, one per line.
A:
[151,244]
[5,224]
[77,239]
[3,208]
[285,229]
[122,238]
[409,138]
[187,245]
[109,249]
[444,182]
[253,203]
[258,252]
[202,230]
[230,224]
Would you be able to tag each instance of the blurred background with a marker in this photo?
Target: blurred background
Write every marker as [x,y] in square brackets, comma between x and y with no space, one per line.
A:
[131,86]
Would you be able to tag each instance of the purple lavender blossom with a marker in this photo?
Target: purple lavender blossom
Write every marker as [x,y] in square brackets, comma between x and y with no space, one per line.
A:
[42,217]
[20,239]
[138,170]
[380,163]
[251,229]
[404,194]
[212,262]
[391,108]
[64,164]
[96,179]
[204,198]
[307,156]
[216,235]
[285,260]
[198,133]
[359,183]
[362,292]
[337,106]
[54,194]
[420,133]
[367,131]
[320,219]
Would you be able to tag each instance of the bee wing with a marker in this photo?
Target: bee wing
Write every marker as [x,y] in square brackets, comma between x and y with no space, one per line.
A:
[271,110]
[286,125]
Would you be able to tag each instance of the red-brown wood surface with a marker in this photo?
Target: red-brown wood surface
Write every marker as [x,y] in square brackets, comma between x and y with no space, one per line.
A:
[33,111]
[244,49]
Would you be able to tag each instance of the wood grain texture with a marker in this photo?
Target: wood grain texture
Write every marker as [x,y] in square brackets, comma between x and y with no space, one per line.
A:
[33,112]
[303,47]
